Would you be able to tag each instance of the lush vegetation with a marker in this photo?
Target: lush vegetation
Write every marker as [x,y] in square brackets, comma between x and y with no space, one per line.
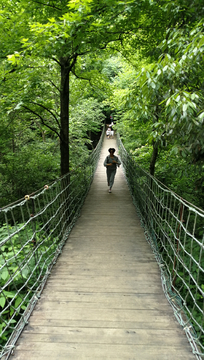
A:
[161,99]
[66,65]
[33,265]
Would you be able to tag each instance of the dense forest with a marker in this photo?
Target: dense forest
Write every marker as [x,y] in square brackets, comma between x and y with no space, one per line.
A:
[66,68]
[66,65]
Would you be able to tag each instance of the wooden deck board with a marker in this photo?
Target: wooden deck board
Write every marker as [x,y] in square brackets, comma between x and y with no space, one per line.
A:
[79,351]
[104,298]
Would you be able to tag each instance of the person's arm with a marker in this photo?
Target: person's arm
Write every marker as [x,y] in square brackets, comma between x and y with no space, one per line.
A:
[117,162]
[106,163]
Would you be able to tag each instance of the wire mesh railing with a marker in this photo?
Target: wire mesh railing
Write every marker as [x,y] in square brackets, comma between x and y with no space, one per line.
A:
[175,230]
[32,233]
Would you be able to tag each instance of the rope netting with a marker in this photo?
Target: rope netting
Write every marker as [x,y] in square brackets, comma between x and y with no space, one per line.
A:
[32,233]
[175,230]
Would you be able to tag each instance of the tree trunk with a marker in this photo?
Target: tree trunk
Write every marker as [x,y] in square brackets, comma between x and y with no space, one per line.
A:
[64,142]
[64,116]
[154,158]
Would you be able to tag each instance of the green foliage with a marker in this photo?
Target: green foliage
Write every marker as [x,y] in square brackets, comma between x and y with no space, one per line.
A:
[162,105]
[86,117]
[31,167]
[60,71]
[20,262]
[182,258]
[181,176]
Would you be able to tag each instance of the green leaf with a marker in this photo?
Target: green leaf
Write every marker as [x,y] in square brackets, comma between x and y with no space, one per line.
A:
[168,102]
[2,301]
[5,274]
[12,59]
[18,106]
[9,294]
[194,96]
[175,150]
[25,273]
[52,20]
[177,98]
[18,301]
[185,106]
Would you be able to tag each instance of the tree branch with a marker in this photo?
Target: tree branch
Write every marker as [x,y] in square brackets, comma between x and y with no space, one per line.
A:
[80,77]
[42,120]
[57,61]
[53,7]
[45,108]
[54,85]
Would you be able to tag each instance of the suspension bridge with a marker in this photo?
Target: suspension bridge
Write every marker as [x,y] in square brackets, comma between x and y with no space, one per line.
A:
[95,275]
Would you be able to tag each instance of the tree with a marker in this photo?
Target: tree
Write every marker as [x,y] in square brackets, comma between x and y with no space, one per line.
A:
[74,30]
[165,99]
[64,32]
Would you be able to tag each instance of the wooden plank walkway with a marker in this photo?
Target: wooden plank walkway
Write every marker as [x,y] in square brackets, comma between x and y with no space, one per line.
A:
[104,298]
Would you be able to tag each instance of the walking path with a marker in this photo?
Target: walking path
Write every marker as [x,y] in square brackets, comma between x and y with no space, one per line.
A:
[104,298]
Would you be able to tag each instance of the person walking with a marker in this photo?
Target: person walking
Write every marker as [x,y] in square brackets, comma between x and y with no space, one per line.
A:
[108,133]
[111,163]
